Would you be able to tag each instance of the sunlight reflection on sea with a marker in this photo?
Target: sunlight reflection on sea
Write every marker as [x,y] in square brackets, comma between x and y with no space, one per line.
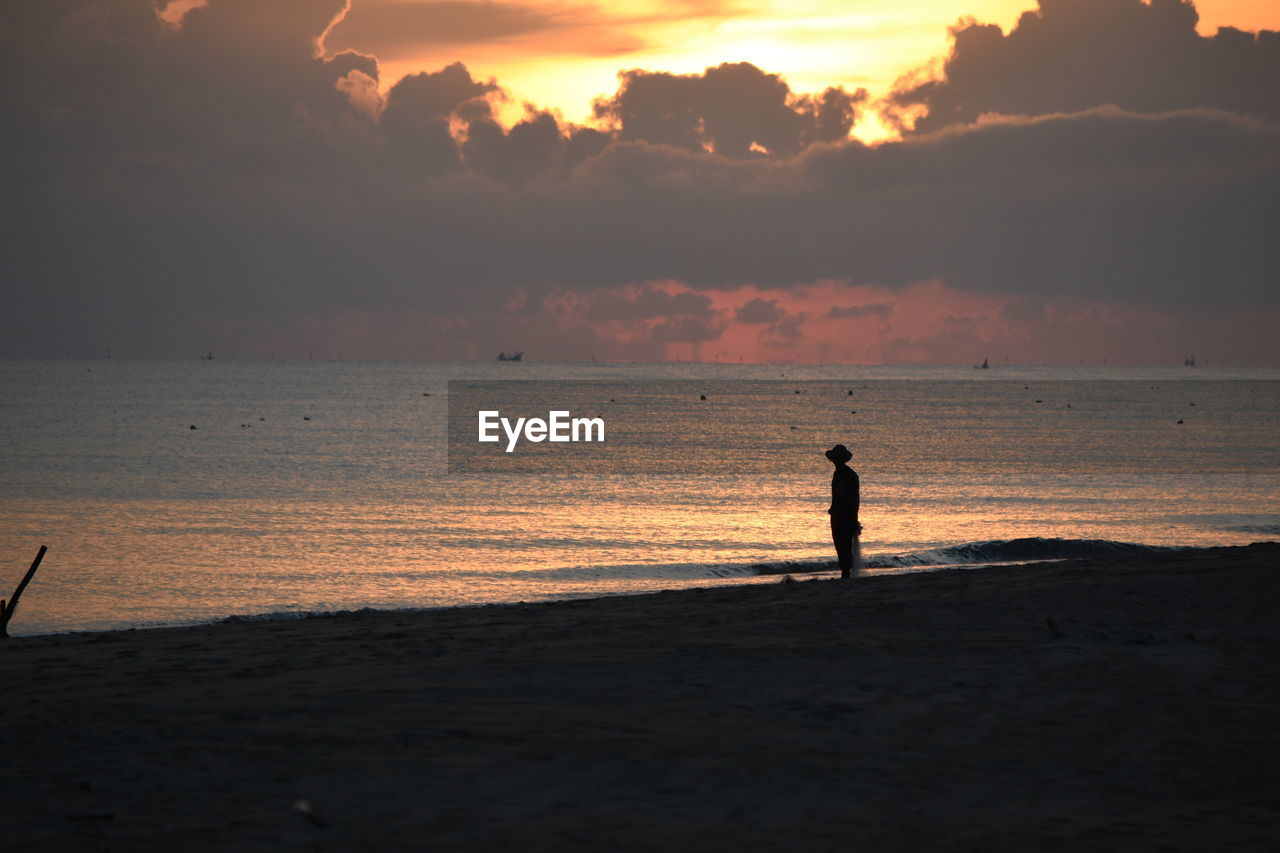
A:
[320,486]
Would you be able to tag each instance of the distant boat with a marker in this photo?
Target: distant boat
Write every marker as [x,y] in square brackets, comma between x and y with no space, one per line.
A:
[208,357]
[1189,361]
[515,356]
[983,366]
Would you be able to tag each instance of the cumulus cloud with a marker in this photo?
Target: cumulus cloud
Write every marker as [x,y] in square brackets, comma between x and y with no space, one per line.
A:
[647,302]
[221,176]
[759,311]
[1072,55]
[419,112]
[782,328]
[537,146]
[734,109]
[786,331]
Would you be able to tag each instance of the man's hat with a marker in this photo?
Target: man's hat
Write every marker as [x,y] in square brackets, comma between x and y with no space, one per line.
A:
[839,454]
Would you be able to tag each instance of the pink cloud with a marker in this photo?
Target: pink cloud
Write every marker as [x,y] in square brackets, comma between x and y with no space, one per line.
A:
[822,322]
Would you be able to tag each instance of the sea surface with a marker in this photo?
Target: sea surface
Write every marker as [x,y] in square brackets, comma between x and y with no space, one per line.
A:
[321,486]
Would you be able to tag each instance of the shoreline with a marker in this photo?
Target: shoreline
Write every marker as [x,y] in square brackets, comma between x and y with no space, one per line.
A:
[765,573]
[763,578]
[1115,702]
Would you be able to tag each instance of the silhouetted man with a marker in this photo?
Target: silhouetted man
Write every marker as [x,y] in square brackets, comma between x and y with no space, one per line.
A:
[845,499]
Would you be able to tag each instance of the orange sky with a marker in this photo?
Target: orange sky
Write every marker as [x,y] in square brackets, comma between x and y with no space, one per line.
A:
[233,188]
[562,54]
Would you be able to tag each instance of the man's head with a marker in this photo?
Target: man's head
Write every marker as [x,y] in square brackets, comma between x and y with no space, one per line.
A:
[839,454]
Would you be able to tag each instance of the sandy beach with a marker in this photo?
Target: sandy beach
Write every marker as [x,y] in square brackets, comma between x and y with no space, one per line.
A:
[1090,704]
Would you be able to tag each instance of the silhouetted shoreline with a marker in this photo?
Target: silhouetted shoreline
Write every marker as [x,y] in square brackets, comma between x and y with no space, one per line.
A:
[1113,702]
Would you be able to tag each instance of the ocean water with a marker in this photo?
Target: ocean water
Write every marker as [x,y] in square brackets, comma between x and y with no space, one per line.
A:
[320,486]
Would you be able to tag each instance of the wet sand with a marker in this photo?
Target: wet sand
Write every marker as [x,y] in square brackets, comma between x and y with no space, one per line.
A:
[1096,704]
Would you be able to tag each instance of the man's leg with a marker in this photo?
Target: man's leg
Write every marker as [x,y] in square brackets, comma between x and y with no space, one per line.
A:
[842,536]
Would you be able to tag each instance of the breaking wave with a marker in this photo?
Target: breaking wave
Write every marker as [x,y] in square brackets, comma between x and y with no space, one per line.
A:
[1026,550]
[596,581]
[1267,529]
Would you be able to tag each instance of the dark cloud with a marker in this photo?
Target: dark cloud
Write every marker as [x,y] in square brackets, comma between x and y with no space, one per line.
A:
[163,184]
[734,109]
[785,331]
[759,311]
[427,97]
[1071,55]
[536,147]
[781,328]
[648,302]
[687,330]
[873,309]
[418,113]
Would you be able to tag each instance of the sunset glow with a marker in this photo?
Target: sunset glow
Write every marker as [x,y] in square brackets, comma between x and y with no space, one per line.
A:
[564,57]
[580,425]
[1031,182]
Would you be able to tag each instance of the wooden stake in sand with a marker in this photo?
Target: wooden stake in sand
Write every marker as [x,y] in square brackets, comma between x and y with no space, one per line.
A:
[7,607]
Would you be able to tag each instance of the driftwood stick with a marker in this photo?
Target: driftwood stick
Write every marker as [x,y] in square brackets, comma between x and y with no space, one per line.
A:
[7,608]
